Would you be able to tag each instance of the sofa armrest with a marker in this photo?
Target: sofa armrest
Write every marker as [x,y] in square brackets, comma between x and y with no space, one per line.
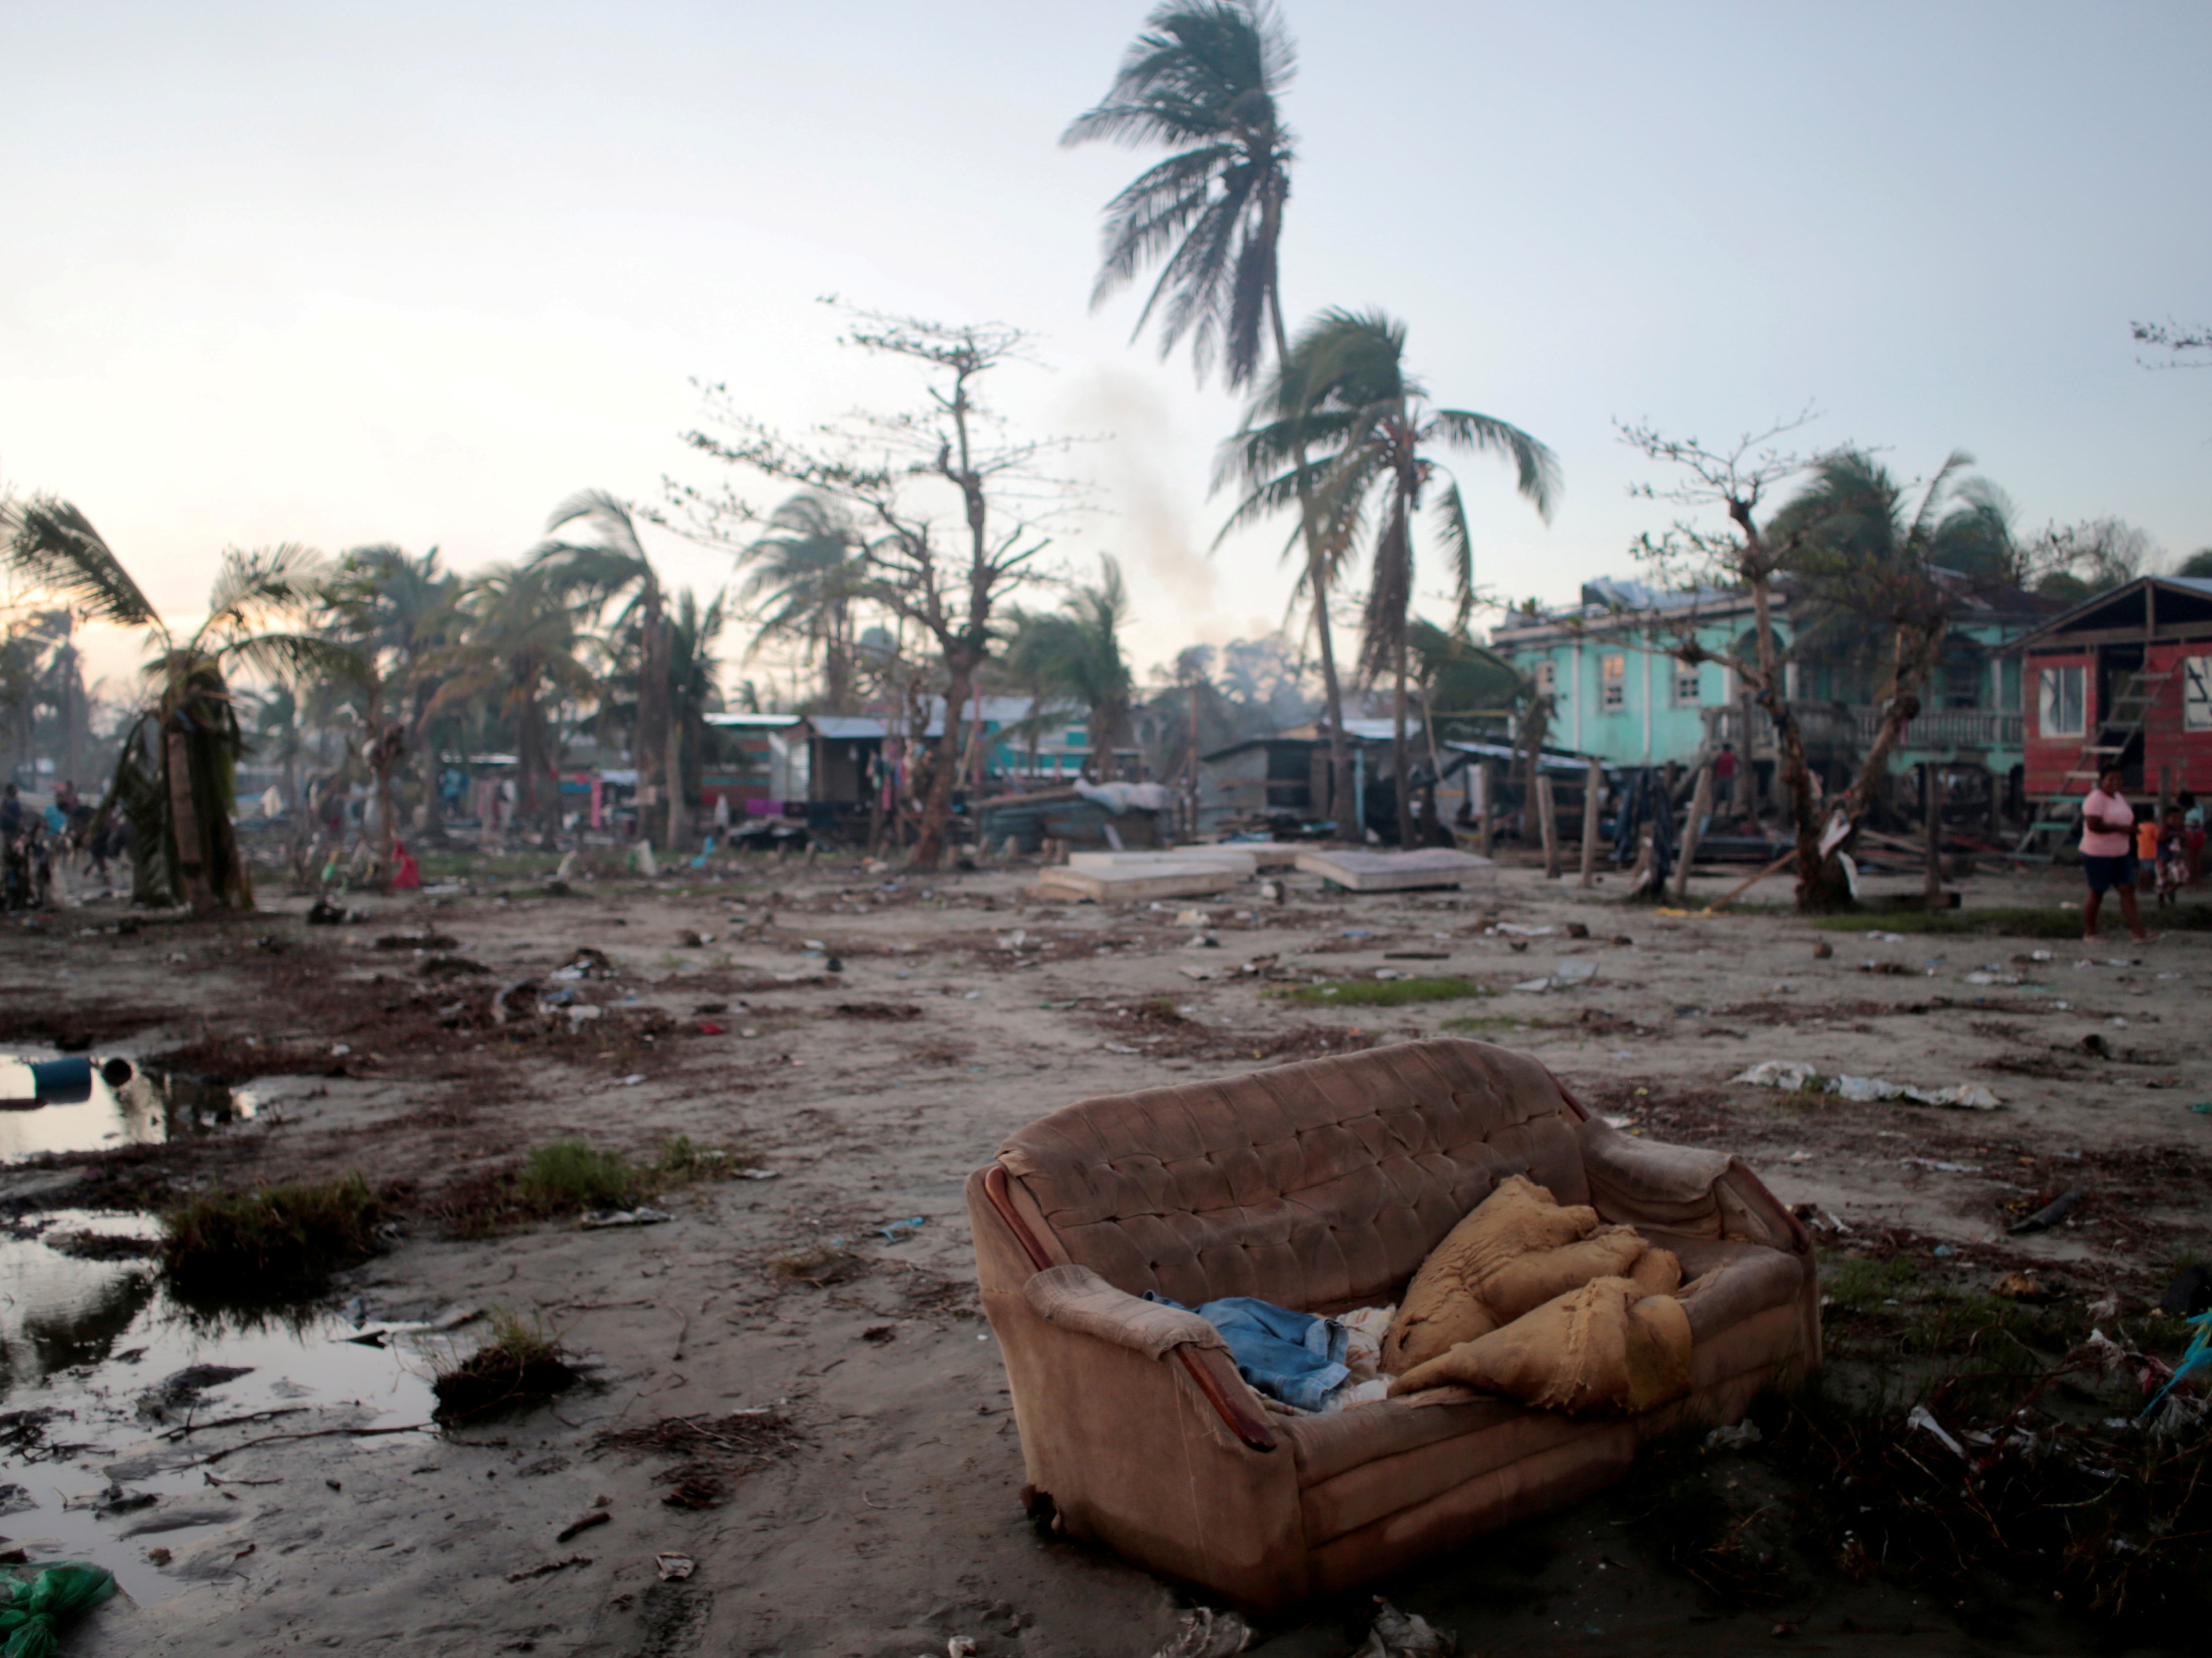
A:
[1680,1188]
[1077,1298]
[1645,1182]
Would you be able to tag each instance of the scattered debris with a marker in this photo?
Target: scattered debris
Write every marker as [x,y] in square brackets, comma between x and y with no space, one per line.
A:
[1795,1077]
[582,1523]
[2051,1214]
[1205,1633]
[644,1215]
[1405,1635]
[674,1568]
[552,1566]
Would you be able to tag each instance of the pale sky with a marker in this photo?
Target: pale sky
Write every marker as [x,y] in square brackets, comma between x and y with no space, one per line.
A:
[413,273]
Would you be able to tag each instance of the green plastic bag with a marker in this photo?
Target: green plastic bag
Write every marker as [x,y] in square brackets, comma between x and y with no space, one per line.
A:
[31,1610]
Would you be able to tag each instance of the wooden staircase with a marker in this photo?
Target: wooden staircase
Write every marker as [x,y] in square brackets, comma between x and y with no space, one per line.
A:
[2060,814]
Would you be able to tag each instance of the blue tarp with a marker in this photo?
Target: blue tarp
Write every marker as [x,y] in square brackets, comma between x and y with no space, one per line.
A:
[1292,1356]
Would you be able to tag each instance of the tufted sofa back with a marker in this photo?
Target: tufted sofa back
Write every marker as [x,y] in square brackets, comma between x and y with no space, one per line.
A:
[1320,1185]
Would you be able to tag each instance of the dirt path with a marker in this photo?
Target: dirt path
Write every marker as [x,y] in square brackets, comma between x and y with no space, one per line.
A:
[886,1521]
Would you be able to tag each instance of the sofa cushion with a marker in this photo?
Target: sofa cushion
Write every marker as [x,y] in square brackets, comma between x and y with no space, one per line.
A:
[1320,1185]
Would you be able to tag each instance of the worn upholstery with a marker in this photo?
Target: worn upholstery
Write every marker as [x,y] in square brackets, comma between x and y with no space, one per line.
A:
[1323,1185]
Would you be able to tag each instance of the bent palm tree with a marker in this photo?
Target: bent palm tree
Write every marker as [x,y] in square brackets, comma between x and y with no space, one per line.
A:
[1884,580]
[1345,391]
[1205,79]
[596,573]
[807,574]
[175,778]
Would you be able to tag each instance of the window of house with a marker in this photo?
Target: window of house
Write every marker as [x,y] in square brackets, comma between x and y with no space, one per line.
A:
[2197,692]
[1547,677]
[1076,738]
[2060,708]
[1689,685]
[1613,681]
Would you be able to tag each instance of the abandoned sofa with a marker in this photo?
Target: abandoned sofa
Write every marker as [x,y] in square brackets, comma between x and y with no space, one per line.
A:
[1322,1186]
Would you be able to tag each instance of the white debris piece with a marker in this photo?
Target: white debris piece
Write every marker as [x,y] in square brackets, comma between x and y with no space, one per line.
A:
[1793,1077]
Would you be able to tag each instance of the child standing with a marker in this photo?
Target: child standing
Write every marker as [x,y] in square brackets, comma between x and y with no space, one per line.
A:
[2172,857]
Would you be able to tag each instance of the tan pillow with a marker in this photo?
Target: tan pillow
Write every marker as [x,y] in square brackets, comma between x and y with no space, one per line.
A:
[1515,1250]
[1605,1347]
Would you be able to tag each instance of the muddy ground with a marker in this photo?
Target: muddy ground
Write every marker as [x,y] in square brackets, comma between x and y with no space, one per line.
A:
[868,1038]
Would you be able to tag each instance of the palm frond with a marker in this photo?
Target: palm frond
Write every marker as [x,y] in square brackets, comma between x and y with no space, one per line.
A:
[1538,468]
[1459,547]
[53,542]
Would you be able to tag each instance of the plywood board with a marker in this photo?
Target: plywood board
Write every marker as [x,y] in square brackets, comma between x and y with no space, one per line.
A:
[1122,883]
[1230,858]
[1394,872]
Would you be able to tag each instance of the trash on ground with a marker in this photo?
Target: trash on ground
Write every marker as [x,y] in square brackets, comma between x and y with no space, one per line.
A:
[581,1523]
[1398,1634]
[1205,1633]
[1795,1076]
[31,1612]
[2050,1215]
[674,1568]
[644,1215]
[1742,1436]
[1921,1417]
[585,962]
[2021,1286]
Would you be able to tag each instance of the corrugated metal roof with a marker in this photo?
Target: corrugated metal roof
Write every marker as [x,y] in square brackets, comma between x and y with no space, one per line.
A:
[842,727]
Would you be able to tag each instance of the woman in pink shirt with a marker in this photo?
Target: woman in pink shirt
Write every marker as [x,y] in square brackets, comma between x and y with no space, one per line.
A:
[2108,853]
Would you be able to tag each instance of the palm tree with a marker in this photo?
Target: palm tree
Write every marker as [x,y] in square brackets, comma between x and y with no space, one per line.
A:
[1071,657]
[693,690]
[1204,80]
[400,614]
[175,778]
[1883,578]
[1343,390]
[596,573]
[806,574]
[519,652]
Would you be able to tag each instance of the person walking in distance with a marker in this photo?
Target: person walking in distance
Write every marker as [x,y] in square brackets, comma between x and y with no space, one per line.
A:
[2108,853]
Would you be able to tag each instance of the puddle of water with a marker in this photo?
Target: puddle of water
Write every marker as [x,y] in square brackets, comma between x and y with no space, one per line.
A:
[91,1339]
[116,1103]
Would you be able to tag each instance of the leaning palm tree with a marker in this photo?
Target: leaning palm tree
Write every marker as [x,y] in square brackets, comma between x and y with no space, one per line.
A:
[806,576]
[1345,391]
[1072,658]
[175,778]
[596,573]
[1204,79]
[1881,580]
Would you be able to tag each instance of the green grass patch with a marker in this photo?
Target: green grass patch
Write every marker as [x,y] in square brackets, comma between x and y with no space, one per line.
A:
[519,1364]
[2048,921]
[270,1240]
[1383,993]
[569,1177]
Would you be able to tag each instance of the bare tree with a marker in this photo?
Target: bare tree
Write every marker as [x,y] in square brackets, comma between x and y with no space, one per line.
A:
[1737,480]
[896,473]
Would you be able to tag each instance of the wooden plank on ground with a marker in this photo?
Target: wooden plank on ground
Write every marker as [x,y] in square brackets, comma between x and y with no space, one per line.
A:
[1394,872]
[1238,858]
[1123,883]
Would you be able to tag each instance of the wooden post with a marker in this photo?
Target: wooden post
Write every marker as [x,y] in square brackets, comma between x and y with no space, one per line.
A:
[1485,803]
[1701,803]
[1931,805]
[1548,820]
[1593,798]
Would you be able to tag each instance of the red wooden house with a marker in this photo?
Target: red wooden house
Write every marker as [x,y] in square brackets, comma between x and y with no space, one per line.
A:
[2124,677]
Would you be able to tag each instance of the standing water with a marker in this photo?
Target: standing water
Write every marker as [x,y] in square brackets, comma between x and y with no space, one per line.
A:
[111,1389]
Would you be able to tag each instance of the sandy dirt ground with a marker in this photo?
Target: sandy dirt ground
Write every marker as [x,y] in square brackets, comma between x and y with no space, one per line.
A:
[884,1520]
